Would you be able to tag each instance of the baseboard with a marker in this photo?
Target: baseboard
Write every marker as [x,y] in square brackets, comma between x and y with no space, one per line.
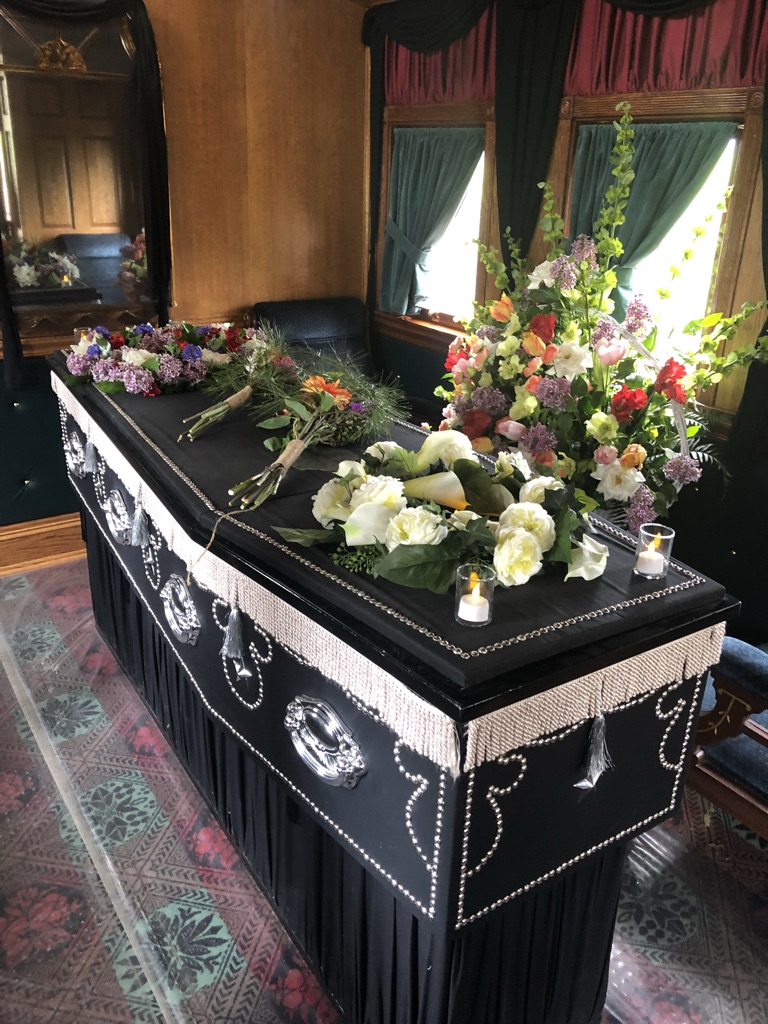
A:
[40,542]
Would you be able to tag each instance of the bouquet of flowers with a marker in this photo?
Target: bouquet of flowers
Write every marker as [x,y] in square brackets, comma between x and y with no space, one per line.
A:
[133,275]
[414,517]
[327,400]
[547,369]
[147,360]
[33,266]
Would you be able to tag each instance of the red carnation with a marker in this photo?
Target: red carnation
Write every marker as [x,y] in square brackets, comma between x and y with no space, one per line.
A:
[232,336]
[543,326]
[666,382]
[627,401]
[476,423]
[454,357]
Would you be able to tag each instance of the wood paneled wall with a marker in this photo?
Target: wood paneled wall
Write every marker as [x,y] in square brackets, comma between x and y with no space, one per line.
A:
[266,117]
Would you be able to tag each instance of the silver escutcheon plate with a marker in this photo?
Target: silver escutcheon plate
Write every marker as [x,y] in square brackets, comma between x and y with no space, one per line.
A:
[118,520]
[180,610]
[323,742]
[74,453]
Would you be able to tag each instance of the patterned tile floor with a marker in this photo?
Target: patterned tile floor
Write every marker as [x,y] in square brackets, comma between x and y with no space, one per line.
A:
[122,901]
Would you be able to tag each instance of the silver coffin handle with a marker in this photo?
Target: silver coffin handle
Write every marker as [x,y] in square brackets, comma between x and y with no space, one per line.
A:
[118,520]
[323,742]
[180,610]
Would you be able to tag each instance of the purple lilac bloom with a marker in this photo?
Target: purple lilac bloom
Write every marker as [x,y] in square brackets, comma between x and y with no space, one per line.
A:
[79,365]
[538,439]
[460,405]
[136,380]
[640,509]
[488,333]
[169,369]
[193,372]
[490,400]
[357,407]
[564,272]
[191,352]
[605,330]
[682,469]
[638,318]
[584,250]
[554,392]
[106,370]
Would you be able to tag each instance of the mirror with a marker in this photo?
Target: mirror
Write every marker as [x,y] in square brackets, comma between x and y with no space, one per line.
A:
[70,177]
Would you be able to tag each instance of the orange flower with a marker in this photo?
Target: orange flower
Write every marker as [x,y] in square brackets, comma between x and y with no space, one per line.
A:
[533,344]
[532,384]
[502,309]
[532,367]
[633,456]
[482,444]
[317,384]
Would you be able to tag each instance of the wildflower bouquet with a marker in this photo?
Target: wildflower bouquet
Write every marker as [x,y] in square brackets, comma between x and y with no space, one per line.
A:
[33,266]
[414,517]
[330,401]
[547,369]
[147,360]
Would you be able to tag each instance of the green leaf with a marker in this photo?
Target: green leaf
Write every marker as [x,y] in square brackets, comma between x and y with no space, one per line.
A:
[275,422]
[477,484]
[566,521]
[326,401]
[274,444]
[151,364]
[298,408]
[423,566]
[307,538]
[110,387]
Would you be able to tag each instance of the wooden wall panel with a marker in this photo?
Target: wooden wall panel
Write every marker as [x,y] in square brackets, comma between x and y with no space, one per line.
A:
[266,117]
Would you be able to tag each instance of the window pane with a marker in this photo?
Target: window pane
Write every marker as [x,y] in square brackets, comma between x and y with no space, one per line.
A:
[450,283]
[689,293]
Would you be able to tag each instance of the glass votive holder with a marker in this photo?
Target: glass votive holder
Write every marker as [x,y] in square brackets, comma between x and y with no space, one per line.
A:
[474,594]
[654,547]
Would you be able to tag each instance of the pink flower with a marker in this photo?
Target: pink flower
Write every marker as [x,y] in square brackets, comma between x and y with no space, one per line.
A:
[549,353]
[605,455]
[611,350]
[510,429]
[479,358]
[532,367]
[460,370]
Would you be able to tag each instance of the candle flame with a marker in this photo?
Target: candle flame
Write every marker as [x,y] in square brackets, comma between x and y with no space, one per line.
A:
[474,585]
[655,544]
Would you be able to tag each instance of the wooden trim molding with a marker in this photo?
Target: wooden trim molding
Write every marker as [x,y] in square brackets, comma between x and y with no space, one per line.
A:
[39,543]
[432,336]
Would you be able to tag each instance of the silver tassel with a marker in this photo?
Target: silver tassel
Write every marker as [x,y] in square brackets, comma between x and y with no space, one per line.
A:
[89,465]
[139,529]
[233,637]
[598,759]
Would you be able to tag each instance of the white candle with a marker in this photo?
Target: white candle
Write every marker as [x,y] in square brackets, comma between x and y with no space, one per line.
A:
[650,563]
[473,607]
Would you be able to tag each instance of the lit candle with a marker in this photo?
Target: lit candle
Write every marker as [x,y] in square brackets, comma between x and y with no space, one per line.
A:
[650,561]
[473,607]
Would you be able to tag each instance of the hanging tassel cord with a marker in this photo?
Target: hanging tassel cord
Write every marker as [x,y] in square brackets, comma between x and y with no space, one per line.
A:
[598,759]
[233,636]
[139,527]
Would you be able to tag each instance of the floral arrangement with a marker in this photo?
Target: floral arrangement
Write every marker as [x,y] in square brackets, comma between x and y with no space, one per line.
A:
[33,266]
[133,275]
[326,400]
[546,369]
[150,361]
[412,517]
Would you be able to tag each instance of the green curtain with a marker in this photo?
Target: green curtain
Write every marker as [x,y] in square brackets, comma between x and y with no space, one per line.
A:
[431,169]
[671,163]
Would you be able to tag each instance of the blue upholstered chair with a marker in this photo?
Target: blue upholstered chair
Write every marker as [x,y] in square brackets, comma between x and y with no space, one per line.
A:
[730,766]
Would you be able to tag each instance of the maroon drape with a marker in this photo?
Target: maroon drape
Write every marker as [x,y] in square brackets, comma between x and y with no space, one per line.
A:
[461,73]
[723,45]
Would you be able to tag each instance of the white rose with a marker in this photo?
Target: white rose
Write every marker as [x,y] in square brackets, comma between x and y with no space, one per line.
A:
[383,451]
[353,473]
[216,358]
[536,489]
[136,356]
[331,503]
[616,482]
[415,526]
[588,559]
[571,359]
[380,490]
[367,524]
[446,446]
[516,558]
[528,516]
[26,275]
[459,520]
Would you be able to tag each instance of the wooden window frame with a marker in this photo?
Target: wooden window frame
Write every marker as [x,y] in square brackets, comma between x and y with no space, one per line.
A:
[436,332]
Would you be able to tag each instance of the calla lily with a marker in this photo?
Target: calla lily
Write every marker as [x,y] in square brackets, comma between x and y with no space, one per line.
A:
[589,558]
[443,488]
[367,524]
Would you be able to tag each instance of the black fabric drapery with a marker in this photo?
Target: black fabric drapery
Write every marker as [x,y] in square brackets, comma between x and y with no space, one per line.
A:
[148,130]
